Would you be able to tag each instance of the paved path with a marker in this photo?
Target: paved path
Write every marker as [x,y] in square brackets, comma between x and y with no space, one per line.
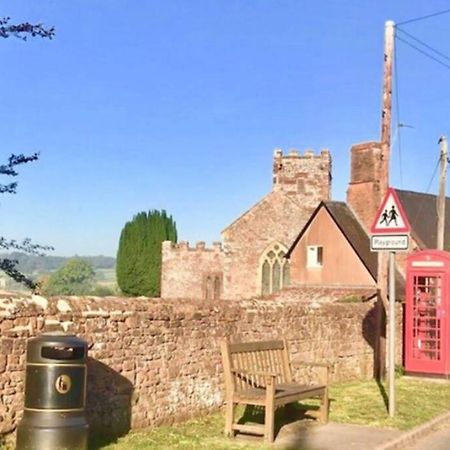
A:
[332,436]
[437,440]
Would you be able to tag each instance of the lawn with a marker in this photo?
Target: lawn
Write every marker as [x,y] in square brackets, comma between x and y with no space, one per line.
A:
[361,402]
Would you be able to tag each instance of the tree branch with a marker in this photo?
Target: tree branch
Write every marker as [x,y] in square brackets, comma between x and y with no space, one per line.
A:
[22,30]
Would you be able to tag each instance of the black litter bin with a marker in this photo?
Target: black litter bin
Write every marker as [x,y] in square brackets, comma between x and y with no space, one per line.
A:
[55,394]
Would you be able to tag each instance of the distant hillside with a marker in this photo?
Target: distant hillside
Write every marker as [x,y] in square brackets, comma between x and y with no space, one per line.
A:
[35,265]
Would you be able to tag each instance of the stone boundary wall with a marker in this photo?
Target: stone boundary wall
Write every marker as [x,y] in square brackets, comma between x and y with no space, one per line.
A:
[154,361]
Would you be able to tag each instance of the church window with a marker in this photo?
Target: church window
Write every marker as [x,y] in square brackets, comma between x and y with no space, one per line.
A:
[212,286]
[266,278]
[314,256]
[274,269]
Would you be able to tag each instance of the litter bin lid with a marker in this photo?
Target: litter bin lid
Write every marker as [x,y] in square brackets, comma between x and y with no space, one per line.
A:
[57,348]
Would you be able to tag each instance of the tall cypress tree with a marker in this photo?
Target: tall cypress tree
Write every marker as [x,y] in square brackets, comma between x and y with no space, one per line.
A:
[139,256]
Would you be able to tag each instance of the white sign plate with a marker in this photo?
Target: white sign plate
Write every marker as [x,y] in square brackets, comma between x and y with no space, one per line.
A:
[385,242]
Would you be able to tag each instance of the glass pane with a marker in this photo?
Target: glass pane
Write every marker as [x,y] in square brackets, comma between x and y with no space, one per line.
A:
[208,290]
[276,277]
[319,256]
[265,278]
[286,274]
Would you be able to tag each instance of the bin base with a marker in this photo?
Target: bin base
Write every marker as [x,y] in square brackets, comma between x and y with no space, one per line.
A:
[33,433]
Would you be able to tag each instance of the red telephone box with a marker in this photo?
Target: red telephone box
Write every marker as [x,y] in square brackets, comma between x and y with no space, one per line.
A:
[427,339]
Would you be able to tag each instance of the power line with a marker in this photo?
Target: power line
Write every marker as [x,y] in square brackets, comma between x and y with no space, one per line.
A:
[428,188]
[423,52]
[442,55]
[429,16]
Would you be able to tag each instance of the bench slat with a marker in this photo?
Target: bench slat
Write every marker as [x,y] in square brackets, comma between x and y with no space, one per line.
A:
[255,346]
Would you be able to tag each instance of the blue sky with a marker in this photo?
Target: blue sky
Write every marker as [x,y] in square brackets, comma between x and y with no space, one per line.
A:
[136,105]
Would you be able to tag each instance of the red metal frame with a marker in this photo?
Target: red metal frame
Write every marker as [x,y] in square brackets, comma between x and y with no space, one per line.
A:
[427,308]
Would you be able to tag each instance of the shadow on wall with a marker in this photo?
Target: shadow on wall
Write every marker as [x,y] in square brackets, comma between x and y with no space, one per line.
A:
[374,332]
[108,404]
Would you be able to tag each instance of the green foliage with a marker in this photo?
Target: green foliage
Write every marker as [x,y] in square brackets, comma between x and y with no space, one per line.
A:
[74,278]
[31,264]
[102,291]
[138,265]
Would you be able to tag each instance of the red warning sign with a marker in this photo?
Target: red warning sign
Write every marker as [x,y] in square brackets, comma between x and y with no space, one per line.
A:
[391,217]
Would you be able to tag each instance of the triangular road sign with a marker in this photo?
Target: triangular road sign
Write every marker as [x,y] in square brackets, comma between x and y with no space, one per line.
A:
[391,217]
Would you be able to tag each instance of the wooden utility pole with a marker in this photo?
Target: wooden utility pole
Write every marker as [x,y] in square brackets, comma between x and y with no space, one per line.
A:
[386,112]
[441,198]
[382,272]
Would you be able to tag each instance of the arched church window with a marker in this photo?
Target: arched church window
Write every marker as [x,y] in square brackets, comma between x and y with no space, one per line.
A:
[274,269]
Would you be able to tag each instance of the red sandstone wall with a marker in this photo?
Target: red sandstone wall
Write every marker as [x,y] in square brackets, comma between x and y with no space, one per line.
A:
[157,361]
[184,269]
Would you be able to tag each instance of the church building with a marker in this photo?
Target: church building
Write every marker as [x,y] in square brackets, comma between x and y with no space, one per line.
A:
[250,260]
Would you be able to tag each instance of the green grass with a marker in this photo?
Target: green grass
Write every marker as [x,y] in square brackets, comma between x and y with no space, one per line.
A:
[417,401]
[359,402]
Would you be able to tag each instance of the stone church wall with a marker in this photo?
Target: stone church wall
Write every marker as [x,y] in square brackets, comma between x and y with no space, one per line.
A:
[300,182]
[191,272]
[155,361]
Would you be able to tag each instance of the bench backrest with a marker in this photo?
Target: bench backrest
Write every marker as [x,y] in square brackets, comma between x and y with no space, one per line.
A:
[265,356]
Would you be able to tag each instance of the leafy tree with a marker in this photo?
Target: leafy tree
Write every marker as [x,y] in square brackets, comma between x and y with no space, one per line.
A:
[138,266]
[21,31]
[76,277]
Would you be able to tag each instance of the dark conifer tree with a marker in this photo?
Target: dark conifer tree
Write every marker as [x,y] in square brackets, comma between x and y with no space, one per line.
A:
[139,256]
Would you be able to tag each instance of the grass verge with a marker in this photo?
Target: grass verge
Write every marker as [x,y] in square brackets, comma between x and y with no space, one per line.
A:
[359,402]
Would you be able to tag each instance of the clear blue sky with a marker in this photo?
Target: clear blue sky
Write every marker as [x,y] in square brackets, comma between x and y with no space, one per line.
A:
[176,104]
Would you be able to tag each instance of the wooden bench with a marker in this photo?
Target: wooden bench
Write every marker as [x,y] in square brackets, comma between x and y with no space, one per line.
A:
[259,373]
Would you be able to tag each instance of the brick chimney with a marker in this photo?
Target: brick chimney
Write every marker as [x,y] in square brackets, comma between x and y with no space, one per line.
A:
[363,194]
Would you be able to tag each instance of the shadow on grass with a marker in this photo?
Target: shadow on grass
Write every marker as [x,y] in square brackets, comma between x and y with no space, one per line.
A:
[383,394]
[290,413]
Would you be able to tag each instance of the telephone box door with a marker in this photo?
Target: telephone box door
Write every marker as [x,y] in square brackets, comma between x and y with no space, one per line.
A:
[426,322]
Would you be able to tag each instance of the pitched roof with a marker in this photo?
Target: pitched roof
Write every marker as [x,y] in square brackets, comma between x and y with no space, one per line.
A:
[422,215]
[356,236]
[351,229]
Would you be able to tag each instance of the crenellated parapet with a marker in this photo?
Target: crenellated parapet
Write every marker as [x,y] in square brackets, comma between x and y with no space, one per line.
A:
[183,246]
[303,174]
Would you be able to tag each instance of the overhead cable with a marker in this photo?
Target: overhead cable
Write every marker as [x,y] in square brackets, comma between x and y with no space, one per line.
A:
[429,16]
[429,47]
[423,52]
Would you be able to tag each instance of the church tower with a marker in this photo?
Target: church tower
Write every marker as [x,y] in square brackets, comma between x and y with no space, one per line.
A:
[305,177]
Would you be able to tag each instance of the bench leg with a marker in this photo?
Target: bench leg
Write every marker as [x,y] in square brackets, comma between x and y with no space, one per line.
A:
[269,424]
[229,418]
[324,407]
[269,419]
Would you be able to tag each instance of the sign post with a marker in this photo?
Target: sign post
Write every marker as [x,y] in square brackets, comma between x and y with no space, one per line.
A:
[390,232]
